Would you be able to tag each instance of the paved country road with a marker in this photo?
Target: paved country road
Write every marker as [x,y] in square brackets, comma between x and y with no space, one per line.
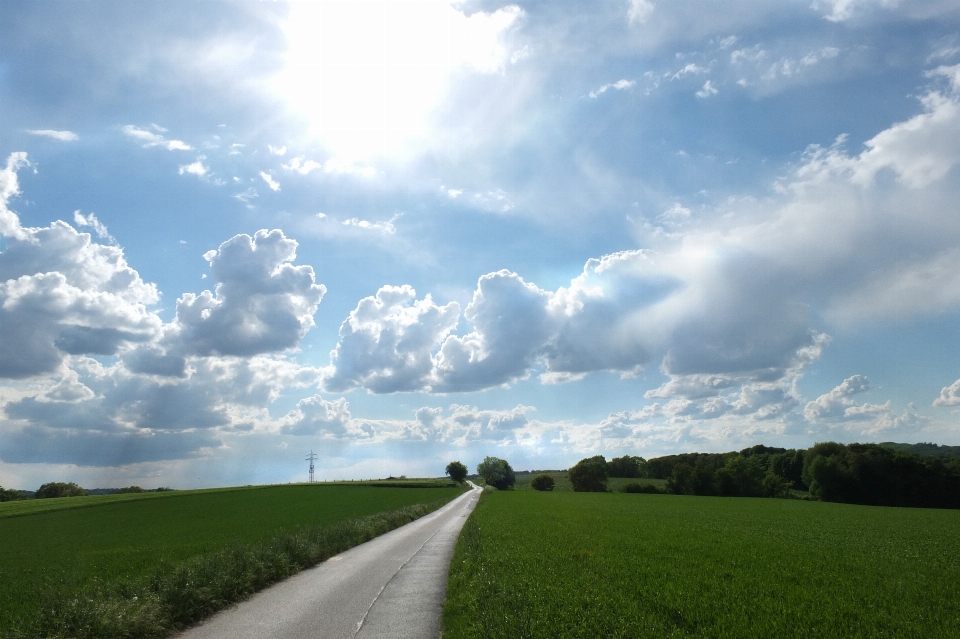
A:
[392,586]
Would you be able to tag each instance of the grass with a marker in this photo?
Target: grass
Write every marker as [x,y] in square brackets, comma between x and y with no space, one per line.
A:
[84,560]
[531,565]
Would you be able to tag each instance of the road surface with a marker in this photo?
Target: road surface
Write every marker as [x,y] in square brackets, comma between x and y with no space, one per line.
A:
[392,586]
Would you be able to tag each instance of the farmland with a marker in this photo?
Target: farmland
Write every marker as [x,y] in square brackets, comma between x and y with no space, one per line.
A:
[565,564]
[75,547]
[562,481]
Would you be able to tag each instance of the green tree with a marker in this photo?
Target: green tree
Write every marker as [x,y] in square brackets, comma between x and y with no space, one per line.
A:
[789,465]
[627,466]
[129,489]
[776,486]
[60,489]
[589,475]
[496,472]
[680,481]
[543,482]
[7,494]
[740,477]
[457,471]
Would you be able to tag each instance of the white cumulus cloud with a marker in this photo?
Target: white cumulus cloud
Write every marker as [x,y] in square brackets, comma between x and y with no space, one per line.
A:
[64,294]
[949,395]
[262,302]
[197,168]
[386,343]
[734,312]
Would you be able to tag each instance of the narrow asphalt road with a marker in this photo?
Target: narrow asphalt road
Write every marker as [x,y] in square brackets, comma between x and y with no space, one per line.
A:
[392,586]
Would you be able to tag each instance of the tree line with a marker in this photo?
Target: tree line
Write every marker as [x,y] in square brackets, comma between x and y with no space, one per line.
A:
[68,489]
[870,474]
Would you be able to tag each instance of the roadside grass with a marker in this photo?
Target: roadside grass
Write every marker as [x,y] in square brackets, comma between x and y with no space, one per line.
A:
[545,565]
[562,481]
[143,567]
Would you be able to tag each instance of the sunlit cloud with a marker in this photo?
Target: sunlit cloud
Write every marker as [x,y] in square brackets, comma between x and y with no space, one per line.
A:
[368,75]
[273,184]
[194,168]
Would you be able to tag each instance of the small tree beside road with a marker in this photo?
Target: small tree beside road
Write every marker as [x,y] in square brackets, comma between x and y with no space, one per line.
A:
[457,471]
[497,473]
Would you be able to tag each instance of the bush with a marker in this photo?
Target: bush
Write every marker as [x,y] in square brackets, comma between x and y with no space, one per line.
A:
[589,475]
[776,486]
[60,489]
[497,472]
[635,487]
[542,482]
[457,471]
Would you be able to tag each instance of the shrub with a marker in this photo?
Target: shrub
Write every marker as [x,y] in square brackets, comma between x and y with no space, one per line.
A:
[542,482]
[496,472]
[636,487]
[60,489]
[589,475]
[129,489]
[776,486]
[457,471]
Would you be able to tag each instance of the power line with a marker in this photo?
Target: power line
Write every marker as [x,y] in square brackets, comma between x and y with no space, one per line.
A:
[310,459]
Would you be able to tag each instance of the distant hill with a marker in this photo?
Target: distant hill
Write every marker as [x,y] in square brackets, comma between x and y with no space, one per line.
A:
[934,450]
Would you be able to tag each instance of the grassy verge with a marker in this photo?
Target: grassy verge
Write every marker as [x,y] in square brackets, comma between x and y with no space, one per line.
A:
[531,565]
[143,568]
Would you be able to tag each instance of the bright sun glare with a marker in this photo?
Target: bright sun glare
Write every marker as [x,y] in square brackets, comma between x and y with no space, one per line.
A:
[368,74]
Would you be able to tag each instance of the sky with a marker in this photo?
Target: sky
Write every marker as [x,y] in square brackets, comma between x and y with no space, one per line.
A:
[399,234]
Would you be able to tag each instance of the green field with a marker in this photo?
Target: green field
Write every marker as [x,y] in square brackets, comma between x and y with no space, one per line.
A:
[562,481]
[589,565]
[52,548]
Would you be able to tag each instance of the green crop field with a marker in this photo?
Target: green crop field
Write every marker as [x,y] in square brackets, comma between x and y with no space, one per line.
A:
[589,565]
[56,548]
[561,482]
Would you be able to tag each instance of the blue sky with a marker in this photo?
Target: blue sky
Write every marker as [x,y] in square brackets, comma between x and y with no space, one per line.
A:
[402,233]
